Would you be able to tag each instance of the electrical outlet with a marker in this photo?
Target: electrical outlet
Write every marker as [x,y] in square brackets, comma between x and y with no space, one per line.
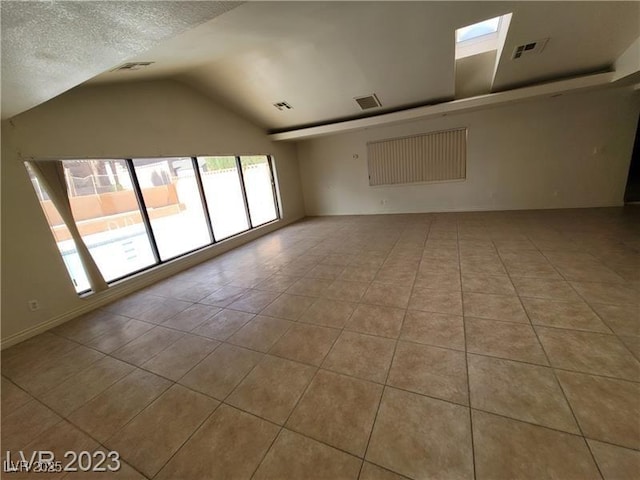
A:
[34,305]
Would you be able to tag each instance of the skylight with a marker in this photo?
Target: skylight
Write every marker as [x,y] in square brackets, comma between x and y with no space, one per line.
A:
[486,27]
[482,37]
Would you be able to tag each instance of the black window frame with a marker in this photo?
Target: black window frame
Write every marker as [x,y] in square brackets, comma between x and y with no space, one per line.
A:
[273,192]
[213,241]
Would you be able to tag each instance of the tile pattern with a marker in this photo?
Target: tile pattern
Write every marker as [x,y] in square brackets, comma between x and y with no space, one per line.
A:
[337,410]
[487,345]
[404,442]
[151,438]
[506,449]
[517,390]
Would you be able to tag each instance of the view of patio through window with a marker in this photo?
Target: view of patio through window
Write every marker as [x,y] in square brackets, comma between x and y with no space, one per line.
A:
[174,206]
[223,189]
[107,213]
[136,213]
[260,189]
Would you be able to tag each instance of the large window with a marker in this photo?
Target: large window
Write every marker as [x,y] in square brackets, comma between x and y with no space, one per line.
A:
[170,191]
[260,187]
[225,198]
[107,213]
[136,213]
[240,192]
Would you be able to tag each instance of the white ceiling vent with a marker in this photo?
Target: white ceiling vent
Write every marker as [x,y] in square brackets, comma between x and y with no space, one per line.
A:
[132,66]
[367,102]
[531,48]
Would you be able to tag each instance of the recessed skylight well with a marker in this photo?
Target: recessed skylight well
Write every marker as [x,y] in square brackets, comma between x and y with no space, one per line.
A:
[485,27]
[481,37]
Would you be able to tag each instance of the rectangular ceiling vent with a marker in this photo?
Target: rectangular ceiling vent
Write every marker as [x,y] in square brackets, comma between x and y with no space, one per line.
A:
[282,106]
[132,66]
[367,102]
[531,48]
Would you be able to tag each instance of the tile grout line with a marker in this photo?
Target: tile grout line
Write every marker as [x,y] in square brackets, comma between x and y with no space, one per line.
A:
[223,401]
[595,311]
[284,423]
[588,304]
[172,383]
[395,347]
[466,354]
[396,341]
[375,417]
[281,427]
[369,334]
[195,430]
[65,418]
[349,453]
[342,330]
[555,376]
[318,368]
[588,445]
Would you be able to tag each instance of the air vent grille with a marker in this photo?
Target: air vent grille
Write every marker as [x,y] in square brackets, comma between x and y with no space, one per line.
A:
[529,48]
[367,102]
[132,66]
[282,106]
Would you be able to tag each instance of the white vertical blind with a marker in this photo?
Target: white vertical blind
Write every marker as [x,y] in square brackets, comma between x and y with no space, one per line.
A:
[432,157]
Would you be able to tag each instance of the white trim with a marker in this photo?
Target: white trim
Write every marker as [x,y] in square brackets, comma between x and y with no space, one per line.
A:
[496,208]
[628,63]
[597,80]
[144,279]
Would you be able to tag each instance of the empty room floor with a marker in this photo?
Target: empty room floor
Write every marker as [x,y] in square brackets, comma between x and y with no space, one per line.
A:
[494,345]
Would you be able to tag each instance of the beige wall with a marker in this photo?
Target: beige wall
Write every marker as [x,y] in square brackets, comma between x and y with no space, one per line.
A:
[569,151]
[161,118]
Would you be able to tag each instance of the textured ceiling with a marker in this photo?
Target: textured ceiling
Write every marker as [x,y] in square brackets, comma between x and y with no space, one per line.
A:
[317,56]
[49,47]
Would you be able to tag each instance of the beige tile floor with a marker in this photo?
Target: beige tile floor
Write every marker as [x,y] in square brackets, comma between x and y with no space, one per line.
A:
[490,345]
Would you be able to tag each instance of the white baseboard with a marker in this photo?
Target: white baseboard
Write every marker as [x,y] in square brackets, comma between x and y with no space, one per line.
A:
[142,280]
[463,209]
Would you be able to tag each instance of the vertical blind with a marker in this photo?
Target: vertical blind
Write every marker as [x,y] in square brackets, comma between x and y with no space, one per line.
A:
[431,157]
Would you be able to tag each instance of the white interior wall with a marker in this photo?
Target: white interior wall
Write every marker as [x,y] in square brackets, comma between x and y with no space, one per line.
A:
[146,119]
[568,151]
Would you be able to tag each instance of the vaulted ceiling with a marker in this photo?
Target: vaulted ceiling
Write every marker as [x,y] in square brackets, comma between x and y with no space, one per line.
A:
[318,56]
[49,47]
